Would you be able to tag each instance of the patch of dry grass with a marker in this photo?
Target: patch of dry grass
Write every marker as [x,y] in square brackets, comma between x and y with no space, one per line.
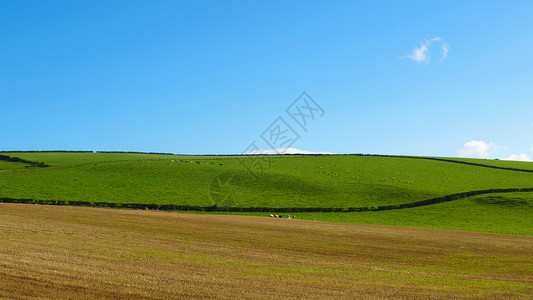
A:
[76,252]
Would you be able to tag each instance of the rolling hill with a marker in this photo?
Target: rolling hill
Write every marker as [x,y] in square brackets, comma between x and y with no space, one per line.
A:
[317,187]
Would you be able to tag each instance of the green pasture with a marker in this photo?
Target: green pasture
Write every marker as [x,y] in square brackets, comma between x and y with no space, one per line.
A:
[338,181]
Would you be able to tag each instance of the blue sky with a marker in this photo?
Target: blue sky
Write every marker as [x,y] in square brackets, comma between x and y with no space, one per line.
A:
[210,76]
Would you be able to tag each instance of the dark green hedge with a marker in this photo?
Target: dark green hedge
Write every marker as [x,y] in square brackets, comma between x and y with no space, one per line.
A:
[35,164]
[172,207]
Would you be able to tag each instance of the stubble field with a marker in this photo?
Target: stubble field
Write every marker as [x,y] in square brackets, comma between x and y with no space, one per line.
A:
[78,252]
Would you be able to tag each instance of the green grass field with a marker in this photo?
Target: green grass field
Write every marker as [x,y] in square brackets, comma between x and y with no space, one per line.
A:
[338,181]
[508,213]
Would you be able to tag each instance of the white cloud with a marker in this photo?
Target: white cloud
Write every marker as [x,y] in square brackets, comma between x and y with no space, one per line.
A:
[477,148]
[421,54]
[482,149]
[445,49]
[517,157]
[284,151]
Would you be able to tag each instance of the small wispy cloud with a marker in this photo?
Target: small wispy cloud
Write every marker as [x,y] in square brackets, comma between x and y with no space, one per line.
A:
[419,54]
[422,54]
[517,157]
[476,148]
[445,49]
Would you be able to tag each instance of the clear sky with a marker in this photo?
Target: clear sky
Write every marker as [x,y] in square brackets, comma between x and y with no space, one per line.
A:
[452,78]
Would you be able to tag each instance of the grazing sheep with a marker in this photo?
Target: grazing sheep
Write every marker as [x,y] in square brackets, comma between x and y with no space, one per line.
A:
[280,216]
[289,217]
[277,216]
[294,217]
[271,215]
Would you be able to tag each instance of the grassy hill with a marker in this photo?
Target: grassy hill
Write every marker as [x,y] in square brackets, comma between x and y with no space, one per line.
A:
[336,181]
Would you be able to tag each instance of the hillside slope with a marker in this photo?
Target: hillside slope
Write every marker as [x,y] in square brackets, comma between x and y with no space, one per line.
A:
[292,181]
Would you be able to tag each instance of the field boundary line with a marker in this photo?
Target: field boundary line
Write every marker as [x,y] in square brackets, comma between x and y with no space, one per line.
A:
[215,208]
[459,162]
